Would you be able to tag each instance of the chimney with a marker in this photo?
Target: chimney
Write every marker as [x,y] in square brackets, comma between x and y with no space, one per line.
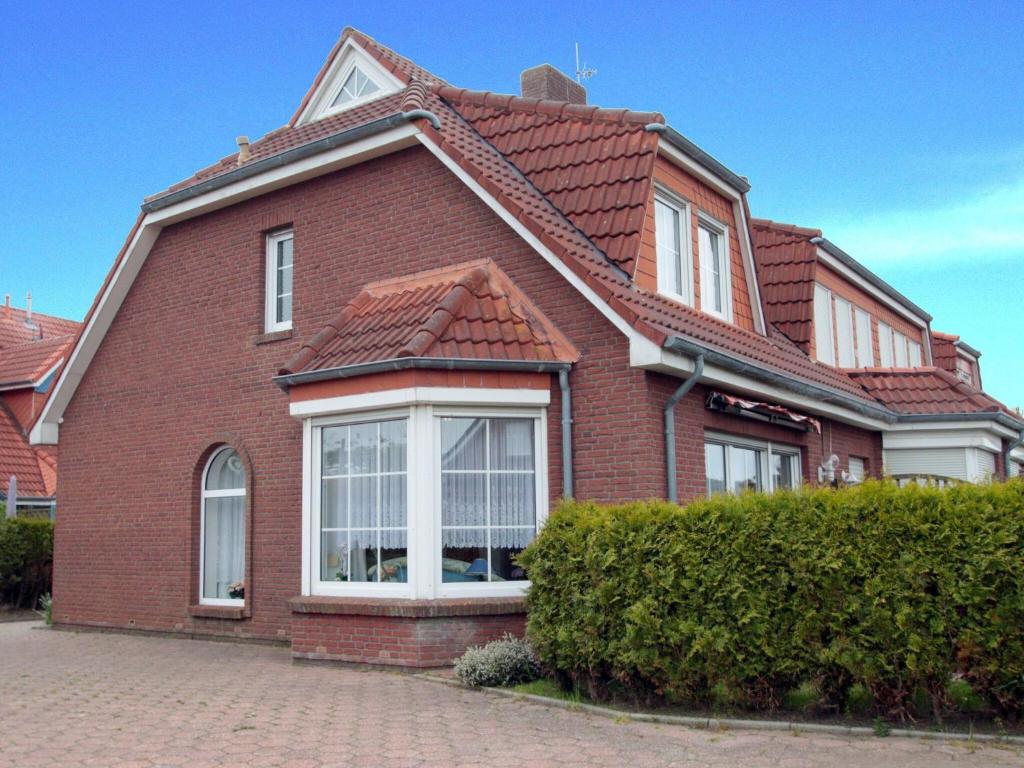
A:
[546,82]
[7,306]
[243,149]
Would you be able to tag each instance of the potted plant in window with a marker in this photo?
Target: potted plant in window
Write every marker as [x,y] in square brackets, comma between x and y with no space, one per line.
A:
[236,590]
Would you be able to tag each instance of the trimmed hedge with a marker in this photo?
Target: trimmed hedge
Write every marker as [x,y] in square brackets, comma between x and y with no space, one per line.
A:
[743,600]
[26,560]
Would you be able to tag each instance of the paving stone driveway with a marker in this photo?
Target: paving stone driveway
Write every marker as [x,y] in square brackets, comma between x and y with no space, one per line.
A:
[118,700]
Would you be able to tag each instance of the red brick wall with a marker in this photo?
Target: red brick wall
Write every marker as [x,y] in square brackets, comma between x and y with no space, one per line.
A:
[182,366]
[410,642]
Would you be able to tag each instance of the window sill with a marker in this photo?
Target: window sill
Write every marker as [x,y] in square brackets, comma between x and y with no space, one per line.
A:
[234,613]
[272,336]
[404,608]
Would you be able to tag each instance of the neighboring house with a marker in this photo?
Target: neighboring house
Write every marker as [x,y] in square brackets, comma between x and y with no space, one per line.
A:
[333,383]
[32,349]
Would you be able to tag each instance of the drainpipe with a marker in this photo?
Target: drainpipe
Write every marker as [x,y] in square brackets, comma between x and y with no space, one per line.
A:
[1010,449]
[563,383]
[670,426]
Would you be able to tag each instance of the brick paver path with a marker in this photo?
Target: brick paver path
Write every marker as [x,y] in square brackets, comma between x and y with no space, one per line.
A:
[90,699]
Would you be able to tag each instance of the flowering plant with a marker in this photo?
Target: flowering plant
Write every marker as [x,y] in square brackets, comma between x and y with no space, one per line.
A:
[236,590]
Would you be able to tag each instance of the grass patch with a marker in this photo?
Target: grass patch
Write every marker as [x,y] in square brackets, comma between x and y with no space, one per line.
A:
[547,687]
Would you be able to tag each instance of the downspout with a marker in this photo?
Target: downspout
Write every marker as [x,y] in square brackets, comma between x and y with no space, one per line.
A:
[1010,449]
[418,114]
[563,383]
[670,426]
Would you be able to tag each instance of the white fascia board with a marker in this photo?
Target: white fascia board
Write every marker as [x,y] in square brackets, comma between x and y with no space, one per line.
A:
[46,429]
[973,436]
[750,268]
[693,168]
[322,163]
[837,266]
[408,396]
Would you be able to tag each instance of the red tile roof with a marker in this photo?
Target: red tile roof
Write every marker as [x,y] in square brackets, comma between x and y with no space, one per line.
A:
[26,363]
[925,391]
[469,312]
[786,262]
[17,458]
[14,330]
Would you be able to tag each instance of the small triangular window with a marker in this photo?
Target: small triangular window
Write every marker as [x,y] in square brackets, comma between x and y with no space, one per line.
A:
[357,86]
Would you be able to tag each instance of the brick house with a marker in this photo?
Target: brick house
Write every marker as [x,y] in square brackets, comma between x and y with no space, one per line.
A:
[33,348]
[334,382]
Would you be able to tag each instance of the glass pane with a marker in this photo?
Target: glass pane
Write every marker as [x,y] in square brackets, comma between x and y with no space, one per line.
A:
[363,448]
[783,467]
[666,235]
[463,443]
[394,559]
[463,499]
[334,503]
[714,467]
[334,556]
[223,545]
[506,544]
[284,255]
[225,472]
[393,446]
[745,468]
[284,281]
[362,554]
[284,308]
[363,501]
[393,501]
[334,442]
[511,444]
[463,560]
[513,500]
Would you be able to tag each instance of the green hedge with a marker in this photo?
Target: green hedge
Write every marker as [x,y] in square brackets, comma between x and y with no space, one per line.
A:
[893,591]
[26,560]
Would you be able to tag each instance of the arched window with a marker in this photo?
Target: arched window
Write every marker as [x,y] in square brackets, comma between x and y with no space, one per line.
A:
[222,530]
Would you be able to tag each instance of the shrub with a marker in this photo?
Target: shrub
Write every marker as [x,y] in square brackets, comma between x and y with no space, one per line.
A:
[504,662]
[889,589]
[26,560]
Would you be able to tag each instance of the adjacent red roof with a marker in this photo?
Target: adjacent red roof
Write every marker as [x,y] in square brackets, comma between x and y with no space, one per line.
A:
[786,261]
[924,391]
[25,364]
[14,328]
[17,458]
[468,312]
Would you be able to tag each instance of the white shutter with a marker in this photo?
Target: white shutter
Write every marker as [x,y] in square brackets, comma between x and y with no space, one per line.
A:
[865,350]
[844,332]
[915,354]
[823,334]
[856,467]
[884,345]
[900,346]
[947,462]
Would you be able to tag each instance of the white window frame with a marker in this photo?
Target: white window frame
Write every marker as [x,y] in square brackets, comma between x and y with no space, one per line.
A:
[845,343]
[685,267]
[721,230]
[825,296]
[768,449]
[271,323]
[220,494]
[865,349]
[383,89]
[423,492]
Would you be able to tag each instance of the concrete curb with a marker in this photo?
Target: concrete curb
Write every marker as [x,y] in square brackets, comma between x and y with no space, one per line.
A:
[722,723]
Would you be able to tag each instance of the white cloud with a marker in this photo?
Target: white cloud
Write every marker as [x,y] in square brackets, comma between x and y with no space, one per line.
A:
[986,225]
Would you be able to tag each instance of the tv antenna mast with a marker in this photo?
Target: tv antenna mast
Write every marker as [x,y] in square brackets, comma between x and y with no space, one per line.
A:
[584,72]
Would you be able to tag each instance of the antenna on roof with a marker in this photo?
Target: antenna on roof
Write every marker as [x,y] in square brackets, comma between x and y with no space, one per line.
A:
[584,72]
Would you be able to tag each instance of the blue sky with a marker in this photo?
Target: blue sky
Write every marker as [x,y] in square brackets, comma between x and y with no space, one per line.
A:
[897,128]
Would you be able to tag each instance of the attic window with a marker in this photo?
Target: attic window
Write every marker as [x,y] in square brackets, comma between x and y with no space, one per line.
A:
[358,87]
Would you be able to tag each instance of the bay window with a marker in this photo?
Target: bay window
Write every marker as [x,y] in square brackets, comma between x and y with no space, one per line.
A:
[735,465]
[423,501]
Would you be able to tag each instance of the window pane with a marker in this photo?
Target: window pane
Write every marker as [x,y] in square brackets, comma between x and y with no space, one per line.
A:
[865,350]
[745,469]
[714,467]
[463,443]
[885,345]
[223,545]
[511,443]
[369,508]
[915,354]
[712,293]
[669,248]
[284,255]
[464,499]
[900,347]
[513,500]
[463,558]
[857,467]
[506,544]
[225,472]
[824,343]
[844,331]
[284,308]
[784,470]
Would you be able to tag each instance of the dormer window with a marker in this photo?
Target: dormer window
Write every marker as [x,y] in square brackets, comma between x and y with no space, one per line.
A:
[672,238]
[713,249]
[358,87]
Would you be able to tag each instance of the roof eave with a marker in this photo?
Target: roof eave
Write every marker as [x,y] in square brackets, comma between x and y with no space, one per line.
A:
[847,260]
[699,156]
[405,363]
[999,417]
[963,345]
